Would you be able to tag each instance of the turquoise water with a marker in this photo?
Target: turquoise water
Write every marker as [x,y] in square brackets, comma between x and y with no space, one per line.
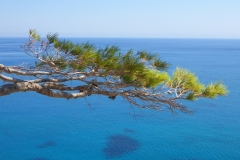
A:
[35,127]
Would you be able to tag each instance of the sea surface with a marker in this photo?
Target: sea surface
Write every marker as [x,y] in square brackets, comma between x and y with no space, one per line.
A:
[36,127]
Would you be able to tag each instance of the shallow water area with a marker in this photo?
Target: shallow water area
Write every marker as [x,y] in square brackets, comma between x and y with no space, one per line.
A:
[33,126]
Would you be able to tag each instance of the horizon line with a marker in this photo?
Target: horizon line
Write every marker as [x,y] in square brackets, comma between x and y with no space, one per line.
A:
[133,37]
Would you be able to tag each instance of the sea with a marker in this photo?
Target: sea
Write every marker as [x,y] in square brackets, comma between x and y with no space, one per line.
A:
[36,127]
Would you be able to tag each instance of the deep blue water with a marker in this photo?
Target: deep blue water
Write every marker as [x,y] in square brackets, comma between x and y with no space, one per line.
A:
[35,127]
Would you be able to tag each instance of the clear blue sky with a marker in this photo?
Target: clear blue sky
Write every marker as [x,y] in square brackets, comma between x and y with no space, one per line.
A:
[122,18]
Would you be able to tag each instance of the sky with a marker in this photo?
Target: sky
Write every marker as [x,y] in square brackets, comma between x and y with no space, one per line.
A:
[122,18]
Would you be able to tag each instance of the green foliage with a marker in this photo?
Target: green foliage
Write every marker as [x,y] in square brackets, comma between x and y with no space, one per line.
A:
[186,80]
[61,63]
[215,89]
[52,37]
[153,59]
[111,61]
[108,58]
[33,33]
[160,65]
[141,69]
[152,78]
[148,78]
[191,97]
[188,83]
[146,56]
